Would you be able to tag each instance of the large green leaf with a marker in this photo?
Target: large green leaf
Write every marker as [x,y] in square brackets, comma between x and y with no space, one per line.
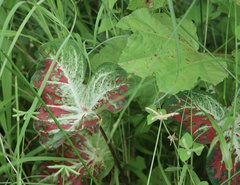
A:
[151,50]
[151,4]
[110,53]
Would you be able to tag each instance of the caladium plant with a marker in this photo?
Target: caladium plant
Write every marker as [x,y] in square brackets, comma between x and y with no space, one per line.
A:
[75,104]
[78,107]
[92,148]
[194,109]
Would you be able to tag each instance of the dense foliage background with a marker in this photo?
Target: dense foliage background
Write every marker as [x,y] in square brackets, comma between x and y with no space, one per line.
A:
[179,58]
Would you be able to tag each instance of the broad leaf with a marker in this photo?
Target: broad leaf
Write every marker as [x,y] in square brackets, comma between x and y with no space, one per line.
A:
[92,148]
[217,171]
[75,104]
[110,53]
[216,167]
[151,4]
[62,92]
[147,93]
[232,133]
[193,107]
[107,87]
[106,24]
[151,50]
[78,108]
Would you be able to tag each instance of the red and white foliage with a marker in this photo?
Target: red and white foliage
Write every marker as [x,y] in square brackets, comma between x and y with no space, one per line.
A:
[78,106]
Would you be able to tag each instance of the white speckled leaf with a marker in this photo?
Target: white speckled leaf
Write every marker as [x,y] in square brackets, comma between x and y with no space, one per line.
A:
[61,92]
[107,87]
[68,98]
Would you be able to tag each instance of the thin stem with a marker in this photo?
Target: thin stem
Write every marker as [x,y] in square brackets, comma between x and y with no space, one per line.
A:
[154,153]
[123,177]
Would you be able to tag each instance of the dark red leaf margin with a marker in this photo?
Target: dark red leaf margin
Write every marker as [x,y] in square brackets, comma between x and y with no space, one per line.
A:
[78,108]
[193,107]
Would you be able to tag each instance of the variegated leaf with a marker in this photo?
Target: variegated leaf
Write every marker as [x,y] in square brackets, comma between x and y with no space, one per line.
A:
[192,108]
[93,149]
[107,87]
[74,104]
[217,171]
[233,133]
[216,167]
[62,91]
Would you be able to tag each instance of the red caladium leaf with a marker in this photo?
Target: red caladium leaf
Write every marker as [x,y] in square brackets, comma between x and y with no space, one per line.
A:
[107,89]
[217,171]
[75,104]
[94,151]
[78,108]
[216,167]
[192,108]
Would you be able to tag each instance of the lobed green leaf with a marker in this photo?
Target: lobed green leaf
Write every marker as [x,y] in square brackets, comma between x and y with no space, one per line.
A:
[151,50]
